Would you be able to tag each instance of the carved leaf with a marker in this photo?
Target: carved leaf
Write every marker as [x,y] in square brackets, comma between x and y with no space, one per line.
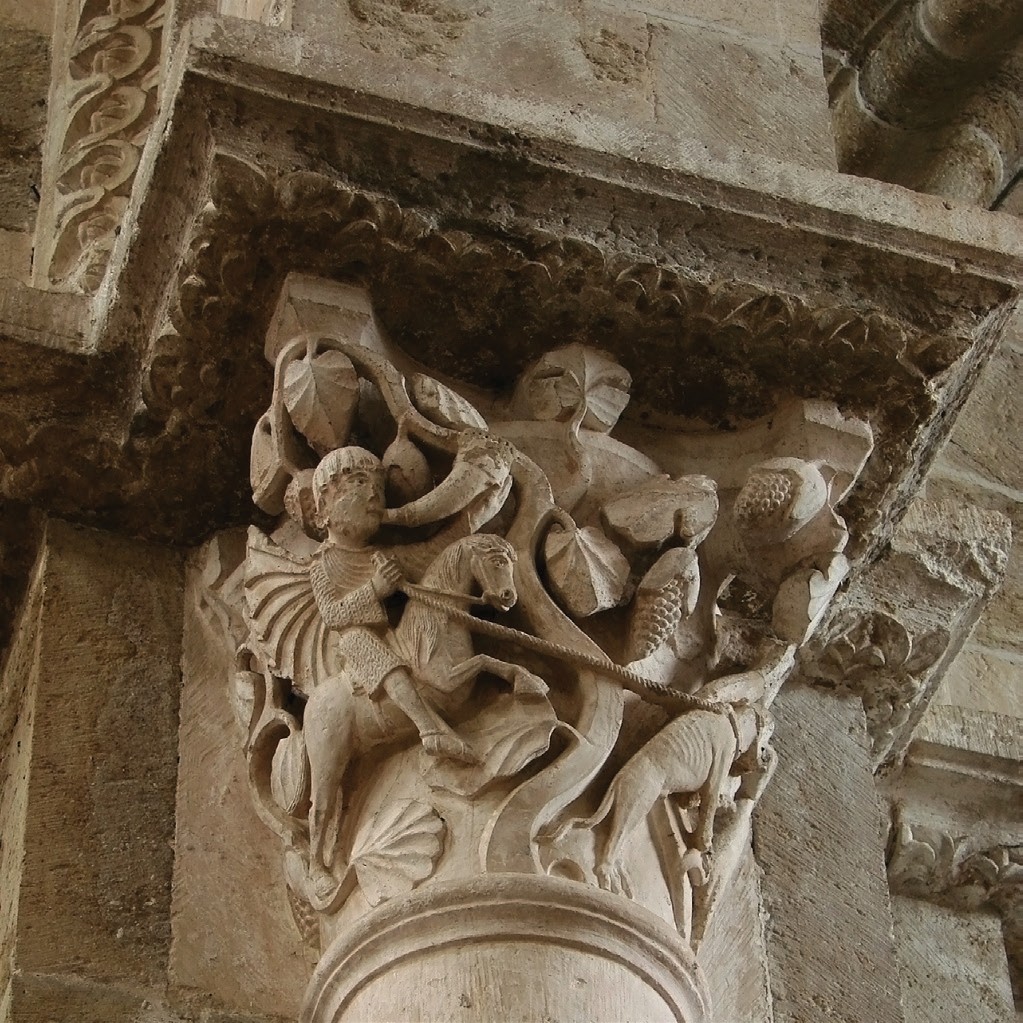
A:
[506,735]
[442,405]
[648,516]
[576,381]
[398,848]
[289,774]
[587,572]
[321,394]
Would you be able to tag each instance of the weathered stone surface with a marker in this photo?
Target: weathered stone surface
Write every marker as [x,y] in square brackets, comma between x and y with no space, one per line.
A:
[24,79]
[94,899]
[906,618]
[818,837]
[245,951]
[952,964]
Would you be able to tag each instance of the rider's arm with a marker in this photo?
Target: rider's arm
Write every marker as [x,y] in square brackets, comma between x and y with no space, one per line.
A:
[360,607]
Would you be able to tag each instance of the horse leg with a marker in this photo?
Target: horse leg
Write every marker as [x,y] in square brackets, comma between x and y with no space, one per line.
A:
[328,736]
[523,682]
[436,734]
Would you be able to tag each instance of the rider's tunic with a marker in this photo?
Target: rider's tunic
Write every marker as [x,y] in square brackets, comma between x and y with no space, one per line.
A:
[341,581]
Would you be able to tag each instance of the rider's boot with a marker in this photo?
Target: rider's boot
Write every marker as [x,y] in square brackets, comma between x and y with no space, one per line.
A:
[447,744]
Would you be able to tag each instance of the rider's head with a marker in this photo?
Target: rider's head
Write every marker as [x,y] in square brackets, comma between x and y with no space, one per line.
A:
[348,491]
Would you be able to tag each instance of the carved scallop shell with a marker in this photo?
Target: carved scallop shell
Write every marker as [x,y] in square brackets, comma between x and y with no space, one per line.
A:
[397,849]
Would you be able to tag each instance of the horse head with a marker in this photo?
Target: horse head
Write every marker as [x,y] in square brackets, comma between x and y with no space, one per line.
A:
[492,563]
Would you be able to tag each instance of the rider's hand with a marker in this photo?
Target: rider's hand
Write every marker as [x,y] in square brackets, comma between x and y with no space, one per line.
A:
[387,576]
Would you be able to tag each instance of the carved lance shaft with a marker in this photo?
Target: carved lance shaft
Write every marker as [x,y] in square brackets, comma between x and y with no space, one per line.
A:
[657,692]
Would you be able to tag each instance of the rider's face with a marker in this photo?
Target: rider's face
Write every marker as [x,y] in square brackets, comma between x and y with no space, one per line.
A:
[356,505]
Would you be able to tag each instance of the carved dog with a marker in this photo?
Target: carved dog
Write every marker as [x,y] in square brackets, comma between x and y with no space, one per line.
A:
[694,753]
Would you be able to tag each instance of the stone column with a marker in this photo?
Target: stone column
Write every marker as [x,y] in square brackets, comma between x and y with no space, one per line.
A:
[90,760]
[537,812]
[820,839]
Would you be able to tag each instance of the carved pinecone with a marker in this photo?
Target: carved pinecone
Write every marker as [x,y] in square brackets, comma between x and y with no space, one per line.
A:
[765,496]
[660,600]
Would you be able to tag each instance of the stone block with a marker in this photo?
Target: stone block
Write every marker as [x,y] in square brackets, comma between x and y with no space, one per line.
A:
[36,16]
[952,964]
[663,67]
[243,950]
[818,837]
[25,81]
[733,954]
[698,75]
[792,23]
[985,440]
[99,809]
[998,627]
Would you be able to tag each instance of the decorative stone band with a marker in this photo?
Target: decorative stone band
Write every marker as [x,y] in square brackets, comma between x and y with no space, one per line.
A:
[508,946]
[104,100]
[929,863]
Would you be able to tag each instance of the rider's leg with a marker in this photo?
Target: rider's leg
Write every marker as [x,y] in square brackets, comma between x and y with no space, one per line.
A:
[437,737]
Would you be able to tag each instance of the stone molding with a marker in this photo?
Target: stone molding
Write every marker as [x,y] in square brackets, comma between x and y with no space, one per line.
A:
[931,863]
[930,101]
[104,101]
[903,621]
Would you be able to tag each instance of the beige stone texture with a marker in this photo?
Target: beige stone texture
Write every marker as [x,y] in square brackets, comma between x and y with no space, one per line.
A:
[94,898]
[791,23]
[672,67]
[35,15]
[15,254]
[733,953]
[952,964]
[17,698]
[819,839]
[233,935]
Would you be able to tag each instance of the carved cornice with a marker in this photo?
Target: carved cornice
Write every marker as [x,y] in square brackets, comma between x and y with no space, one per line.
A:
[929,863]
[904,620]
[441,288]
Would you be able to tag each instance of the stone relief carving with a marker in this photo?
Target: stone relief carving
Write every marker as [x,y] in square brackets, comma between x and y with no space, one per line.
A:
[929,863]
[106,105]
[875,655]
[467,612]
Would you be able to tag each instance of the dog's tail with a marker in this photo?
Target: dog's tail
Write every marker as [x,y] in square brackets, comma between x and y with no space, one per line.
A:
[592,821]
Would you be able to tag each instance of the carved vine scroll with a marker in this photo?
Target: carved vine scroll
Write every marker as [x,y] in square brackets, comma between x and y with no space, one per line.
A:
[467,611]
[106,103]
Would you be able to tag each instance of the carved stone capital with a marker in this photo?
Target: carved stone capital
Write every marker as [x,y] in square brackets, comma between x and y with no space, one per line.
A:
[930,863]
[904,620]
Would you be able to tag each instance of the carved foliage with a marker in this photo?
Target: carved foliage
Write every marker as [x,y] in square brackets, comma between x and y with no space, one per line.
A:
[875,656]
[106,107]
[929,863]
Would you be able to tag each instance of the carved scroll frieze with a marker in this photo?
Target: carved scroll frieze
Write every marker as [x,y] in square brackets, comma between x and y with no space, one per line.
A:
[106,99]
[485,635]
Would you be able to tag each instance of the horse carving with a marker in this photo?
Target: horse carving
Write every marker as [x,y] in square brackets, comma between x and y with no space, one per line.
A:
[432,645]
